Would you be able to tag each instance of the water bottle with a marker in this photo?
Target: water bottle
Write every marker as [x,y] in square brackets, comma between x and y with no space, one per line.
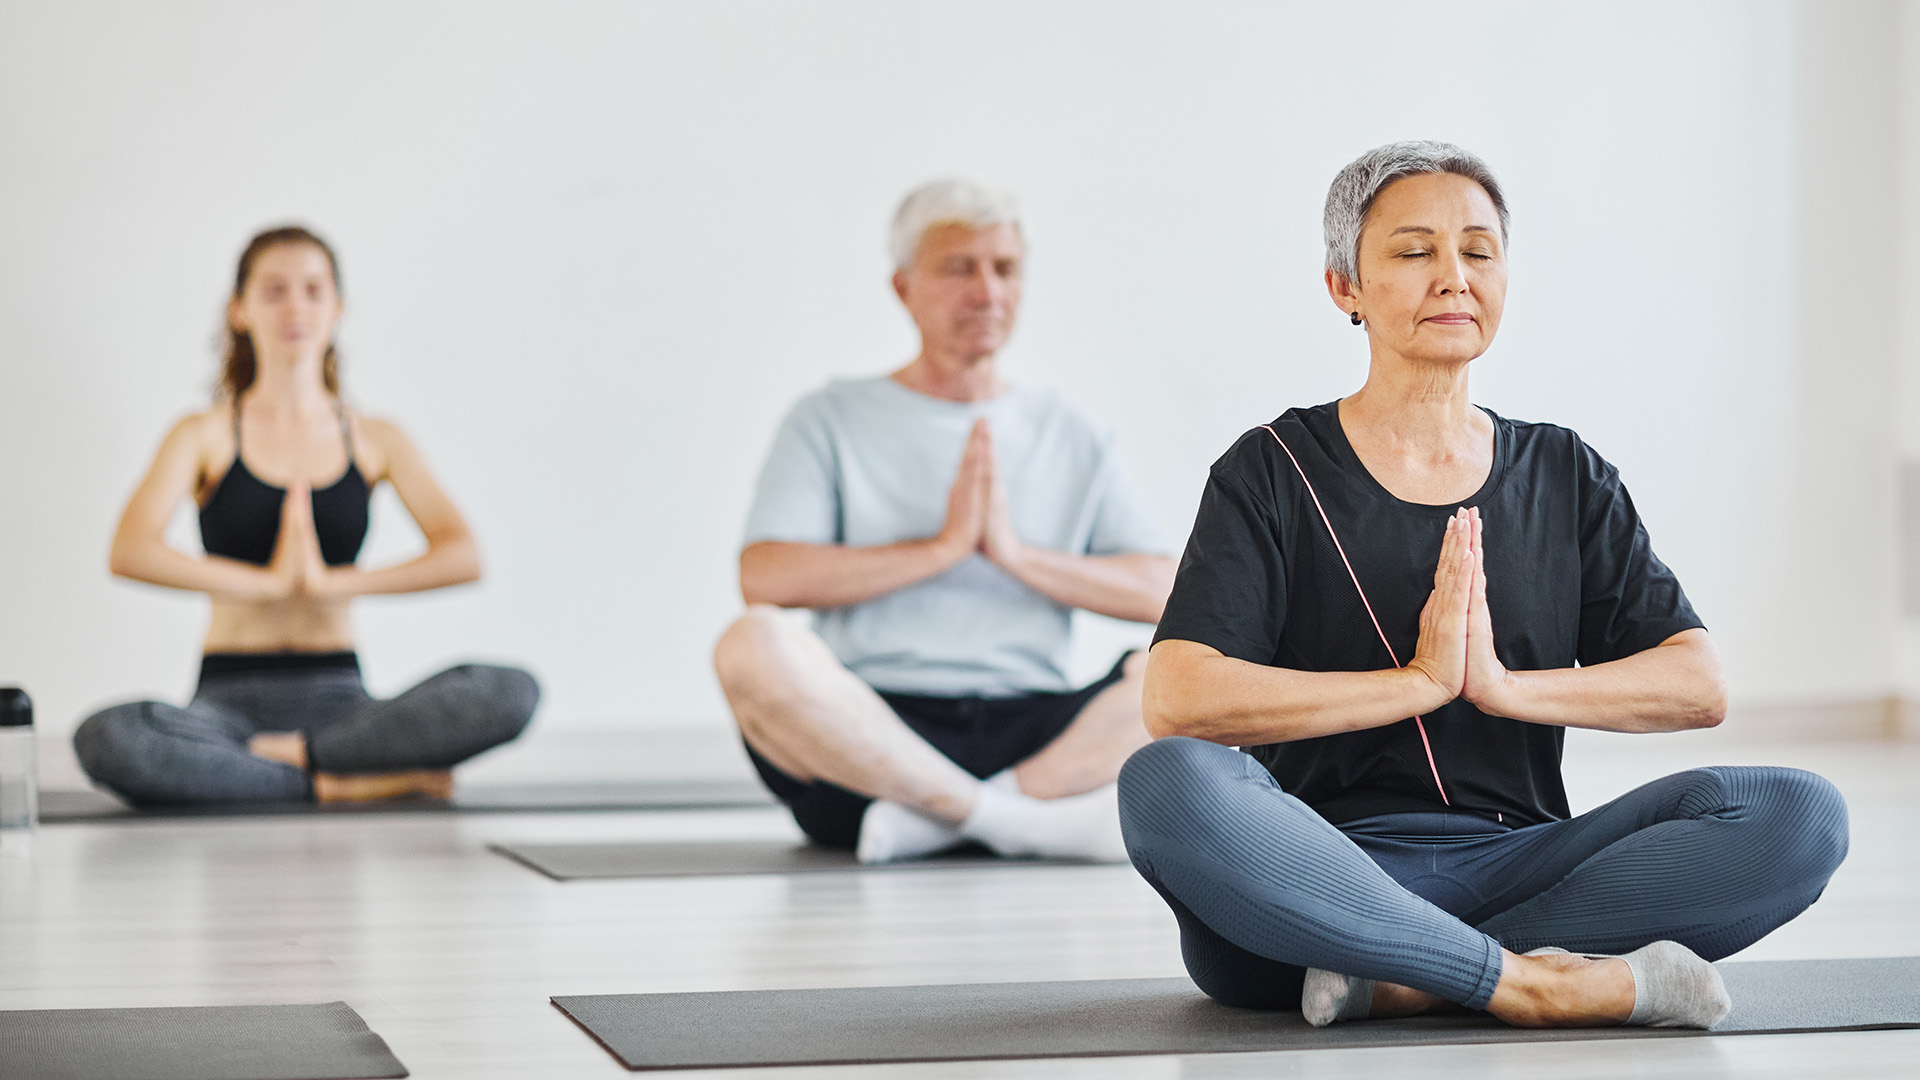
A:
[19,767]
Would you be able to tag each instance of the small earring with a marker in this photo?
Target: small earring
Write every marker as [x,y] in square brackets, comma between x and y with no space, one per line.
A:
[1356,318]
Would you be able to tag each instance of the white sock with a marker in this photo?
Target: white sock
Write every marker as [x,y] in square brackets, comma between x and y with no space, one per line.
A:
[1327,996]
[1076,827]
[1005,781]
[890,831]
[1673,987]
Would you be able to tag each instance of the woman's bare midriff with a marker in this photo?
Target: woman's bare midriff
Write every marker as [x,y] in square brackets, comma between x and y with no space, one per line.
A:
[292,625]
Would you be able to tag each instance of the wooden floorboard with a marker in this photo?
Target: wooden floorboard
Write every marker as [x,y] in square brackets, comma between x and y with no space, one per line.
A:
[450,952]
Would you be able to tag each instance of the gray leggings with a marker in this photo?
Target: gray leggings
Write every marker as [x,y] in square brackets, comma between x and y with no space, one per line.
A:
[153,753]
[1263,887]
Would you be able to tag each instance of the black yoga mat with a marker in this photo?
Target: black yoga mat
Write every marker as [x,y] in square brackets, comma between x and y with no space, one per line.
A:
[62,806]
[1153,1016]
[228,1042]
[638,859]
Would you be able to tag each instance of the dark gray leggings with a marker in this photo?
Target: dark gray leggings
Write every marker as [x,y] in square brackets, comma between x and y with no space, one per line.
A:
[154,753]
[1264,888]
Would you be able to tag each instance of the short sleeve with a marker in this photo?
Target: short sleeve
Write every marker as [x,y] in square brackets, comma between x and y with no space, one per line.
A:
[1122,523]
[1231,589]
[798,496]
[1629,600]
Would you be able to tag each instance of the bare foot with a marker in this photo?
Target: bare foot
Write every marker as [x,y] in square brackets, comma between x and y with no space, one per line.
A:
[363,787]
[1563,990]
[286,747]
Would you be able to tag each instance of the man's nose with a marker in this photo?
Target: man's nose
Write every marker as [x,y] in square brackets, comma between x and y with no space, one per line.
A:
[987,287]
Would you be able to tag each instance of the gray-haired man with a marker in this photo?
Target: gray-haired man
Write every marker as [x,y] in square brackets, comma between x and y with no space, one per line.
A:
[943,525]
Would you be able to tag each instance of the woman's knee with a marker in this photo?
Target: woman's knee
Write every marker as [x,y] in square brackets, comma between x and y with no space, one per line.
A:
[1163,780]
[1808,816]
[504,697]
[1173,764]
[104,742]
[1799,818]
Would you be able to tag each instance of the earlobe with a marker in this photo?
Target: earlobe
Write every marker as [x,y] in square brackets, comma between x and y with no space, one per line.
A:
[1345,296]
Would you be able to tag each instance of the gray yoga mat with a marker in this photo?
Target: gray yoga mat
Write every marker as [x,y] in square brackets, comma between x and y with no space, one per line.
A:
[1153,1016]
[229,1042]
[63,806]
[640,859]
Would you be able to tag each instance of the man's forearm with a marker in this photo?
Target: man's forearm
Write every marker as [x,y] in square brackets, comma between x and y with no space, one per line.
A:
[834,575]
[1132,587]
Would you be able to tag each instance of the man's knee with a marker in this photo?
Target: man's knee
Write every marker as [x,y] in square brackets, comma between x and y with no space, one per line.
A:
[750,645]
[759,661]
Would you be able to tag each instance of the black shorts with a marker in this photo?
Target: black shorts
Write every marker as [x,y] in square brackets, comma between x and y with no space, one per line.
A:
[981,735]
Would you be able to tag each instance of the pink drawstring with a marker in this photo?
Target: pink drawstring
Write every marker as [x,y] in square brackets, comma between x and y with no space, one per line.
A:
[1424,742]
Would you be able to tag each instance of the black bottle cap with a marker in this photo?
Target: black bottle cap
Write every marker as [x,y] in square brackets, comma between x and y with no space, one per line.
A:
[16,708]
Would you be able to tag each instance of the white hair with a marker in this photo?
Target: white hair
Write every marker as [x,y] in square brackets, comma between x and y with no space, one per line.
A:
[949,201]
[1351,197]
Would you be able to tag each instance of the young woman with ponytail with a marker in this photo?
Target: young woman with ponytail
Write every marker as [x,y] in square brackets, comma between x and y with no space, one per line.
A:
[282,471]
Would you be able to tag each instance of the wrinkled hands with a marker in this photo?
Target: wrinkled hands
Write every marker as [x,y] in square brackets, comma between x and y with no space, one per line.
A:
[1455,651]
[978,519]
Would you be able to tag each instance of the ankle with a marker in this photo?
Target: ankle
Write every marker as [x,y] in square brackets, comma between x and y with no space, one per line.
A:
[1563,991]
[1392,999]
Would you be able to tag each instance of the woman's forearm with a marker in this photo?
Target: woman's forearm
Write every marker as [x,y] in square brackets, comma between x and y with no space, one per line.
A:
[448,562]
[157,563]
[1673,686]
[1196,691]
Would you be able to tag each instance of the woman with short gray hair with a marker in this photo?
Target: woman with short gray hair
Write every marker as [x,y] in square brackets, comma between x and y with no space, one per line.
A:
[1394,605]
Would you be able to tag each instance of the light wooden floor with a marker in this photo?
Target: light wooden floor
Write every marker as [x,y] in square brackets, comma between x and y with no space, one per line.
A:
[450,952]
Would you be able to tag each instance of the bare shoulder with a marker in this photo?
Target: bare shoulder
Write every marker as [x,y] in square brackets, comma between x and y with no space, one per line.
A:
[379,442]
[207,435]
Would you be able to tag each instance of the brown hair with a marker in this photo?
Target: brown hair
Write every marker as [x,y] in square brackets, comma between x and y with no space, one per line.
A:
[238,366]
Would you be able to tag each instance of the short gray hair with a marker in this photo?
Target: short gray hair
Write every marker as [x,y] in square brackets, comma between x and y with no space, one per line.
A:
[948,201]
[1351,197]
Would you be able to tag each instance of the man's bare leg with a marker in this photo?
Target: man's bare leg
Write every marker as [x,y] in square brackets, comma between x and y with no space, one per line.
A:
[810,717]
[1089,753]
[802,710]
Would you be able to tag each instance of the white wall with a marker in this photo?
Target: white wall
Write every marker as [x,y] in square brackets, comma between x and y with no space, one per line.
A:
[592,250]
[1906,281]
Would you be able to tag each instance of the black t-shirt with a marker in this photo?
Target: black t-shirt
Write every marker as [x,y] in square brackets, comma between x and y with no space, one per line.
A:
[1571,578]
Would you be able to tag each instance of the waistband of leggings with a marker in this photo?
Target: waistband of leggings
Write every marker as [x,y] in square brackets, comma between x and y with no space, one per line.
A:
[217,665]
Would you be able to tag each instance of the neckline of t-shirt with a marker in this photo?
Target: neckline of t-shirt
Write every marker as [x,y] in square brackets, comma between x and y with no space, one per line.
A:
[1013,391]
[1350,461]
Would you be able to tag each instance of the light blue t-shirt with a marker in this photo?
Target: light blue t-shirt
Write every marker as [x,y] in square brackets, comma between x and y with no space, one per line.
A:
[864,462]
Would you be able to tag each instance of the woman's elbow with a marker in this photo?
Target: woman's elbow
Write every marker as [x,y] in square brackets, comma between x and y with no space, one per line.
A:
[123,558]
[1162,706]
[1709,683]
[462,557]
[1710,706]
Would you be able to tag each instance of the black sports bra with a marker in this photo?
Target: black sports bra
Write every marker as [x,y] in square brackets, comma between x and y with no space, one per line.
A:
[242,518]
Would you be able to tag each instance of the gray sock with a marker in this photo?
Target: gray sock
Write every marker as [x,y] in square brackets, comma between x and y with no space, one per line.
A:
[1672,987]
[1327,996]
